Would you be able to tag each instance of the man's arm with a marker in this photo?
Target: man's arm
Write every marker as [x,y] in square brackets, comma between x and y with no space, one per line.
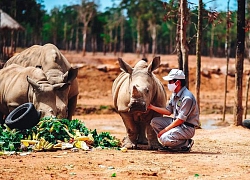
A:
[160,110]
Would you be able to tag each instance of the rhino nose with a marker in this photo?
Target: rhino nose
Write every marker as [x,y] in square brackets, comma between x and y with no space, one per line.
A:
[62,112]
[137,106]
[49,113]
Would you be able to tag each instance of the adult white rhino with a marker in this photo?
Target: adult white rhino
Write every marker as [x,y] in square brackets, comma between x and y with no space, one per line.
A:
[133,90]
[57,69]
[20,85]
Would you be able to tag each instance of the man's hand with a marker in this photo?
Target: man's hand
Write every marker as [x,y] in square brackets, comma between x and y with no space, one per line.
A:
[150,106]
[161,133]
[175,123]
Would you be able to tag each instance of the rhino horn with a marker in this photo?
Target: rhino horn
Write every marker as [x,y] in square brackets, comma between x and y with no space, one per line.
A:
[61,86]
[135,92]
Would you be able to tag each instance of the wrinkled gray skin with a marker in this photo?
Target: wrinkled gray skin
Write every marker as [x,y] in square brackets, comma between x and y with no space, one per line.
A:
[20,85]
[56,68]
[133,90]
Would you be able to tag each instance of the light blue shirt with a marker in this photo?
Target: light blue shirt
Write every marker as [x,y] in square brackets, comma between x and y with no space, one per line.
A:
[183,106]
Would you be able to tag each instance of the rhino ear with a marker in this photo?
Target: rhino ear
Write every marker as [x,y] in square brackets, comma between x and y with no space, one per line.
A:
[124,66]
[154,64]
[61,86]
[33,83]
[71,74]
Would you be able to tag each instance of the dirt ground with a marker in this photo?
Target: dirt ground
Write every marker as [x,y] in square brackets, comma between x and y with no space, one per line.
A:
[221,150]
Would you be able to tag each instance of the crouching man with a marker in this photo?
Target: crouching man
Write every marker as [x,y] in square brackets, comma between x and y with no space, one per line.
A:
[175,133]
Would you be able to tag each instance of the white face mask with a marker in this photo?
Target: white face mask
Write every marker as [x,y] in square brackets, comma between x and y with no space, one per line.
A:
[172,87]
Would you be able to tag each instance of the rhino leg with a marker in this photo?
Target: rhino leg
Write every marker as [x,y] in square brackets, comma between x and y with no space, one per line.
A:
[132,131]
[153,142]
[128,144]
[142,139]
[72,106]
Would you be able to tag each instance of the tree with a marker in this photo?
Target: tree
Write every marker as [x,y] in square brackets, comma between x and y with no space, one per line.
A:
[55,24]
[86,12]
[30,15]
[198,52]
[69,16]
[178,42]
[228,25]
[153,21]
[173,11]
[238,109]
[183,38]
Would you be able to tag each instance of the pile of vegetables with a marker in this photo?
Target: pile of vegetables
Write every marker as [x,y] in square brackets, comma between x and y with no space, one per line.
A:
[52,134]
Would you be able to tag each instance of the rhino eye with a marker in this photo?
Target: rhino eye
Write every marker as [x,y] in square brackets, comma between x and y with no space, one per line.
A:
[147,90]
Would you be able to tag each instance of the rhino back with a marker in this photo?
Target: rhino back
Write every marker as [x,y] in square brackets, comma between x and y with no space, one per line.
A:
[47,56]
[13,86]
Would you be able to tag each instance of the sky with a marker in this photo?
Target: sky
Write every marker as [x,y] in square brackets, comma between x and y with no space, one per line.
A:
[218,4]
[50,4]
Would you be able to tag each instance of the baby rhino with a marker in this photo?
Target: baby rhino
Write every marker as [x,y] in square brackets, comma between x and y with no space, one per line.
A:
[133,90]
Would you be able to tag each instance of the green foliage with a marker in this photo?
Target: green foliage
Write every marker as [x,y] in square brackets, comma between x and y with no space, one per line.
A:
[104,139]
[103,107]
[53,130]
[10,137]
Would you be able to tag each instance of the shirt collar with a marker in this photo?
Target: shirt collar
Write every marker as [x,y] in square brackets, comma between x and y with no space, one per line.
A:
[180,92]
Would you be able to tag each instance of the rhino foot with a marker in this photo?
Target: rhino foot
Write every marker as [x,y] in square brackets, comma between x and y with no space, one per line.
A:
[143,140]
[154,145]
[128,144]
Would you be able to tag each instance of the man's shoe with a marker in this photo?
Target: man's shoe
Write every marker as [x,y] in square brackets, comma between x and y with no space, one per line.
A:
[188,147]
[166,149]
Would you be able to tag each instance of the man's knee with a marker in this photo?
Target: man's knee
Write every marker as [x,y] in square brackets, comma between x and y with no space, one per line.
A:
[154,121]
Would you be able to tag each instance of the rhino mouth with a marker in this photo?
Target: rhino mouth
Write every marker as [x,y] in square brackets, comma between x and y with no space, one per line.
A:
[137,107]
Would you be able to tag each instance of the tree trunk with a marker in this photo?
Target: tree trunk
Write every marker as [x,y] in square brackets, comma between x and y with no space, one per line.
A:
[178,42]
[93,44]
[65,35]
[121,38]
[153,36]
[198,52]
[227,56]
[170,50]
[84,38]
[71,39]
[138,44]
[184,47]
[238,110]
[212,43]
[115,40]
[248,46]
[110,40]
[246,102]
[77,40]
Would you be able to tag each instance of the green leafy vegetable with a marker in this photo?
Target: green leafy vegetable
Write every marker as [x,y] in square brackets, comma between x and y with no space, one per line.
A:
[54,130]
